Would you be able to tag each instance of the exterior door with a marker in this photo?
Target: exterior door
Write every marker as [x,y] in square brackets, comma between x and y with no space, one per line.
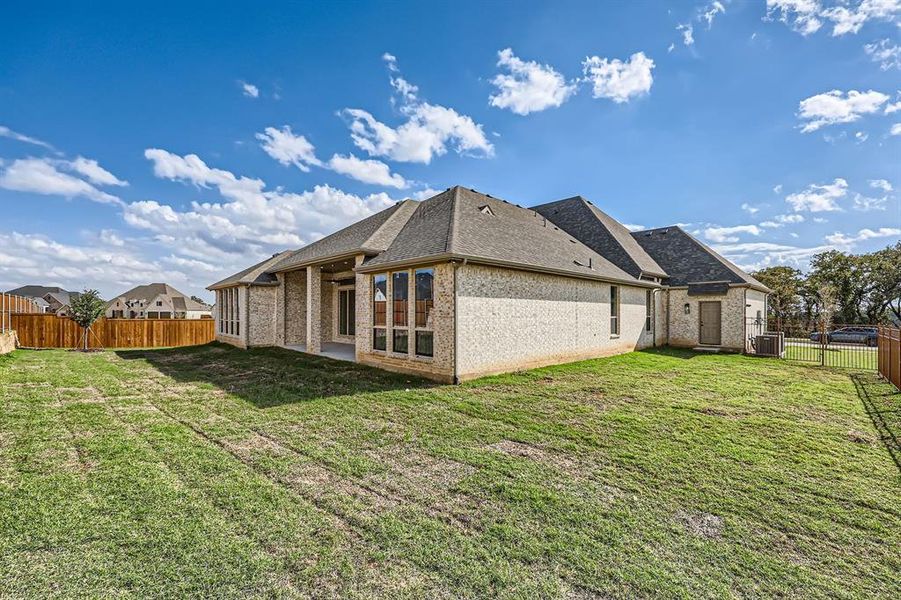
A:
[711,319]
[347,312]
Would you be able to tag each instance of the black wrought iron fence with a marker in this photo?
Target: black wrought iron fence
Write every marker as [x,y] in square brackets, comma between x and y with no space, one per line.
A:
[836,345]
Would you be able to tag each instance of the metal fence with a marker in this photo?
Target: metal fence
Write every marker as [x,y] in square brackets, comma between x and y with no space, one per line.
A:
[889,361]
[843,346]
[11,304]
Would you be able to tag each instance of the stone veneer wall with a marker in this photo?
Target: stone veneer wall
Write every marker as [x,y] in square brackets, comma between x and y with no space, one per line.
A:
[509,320]
[295,307]
[440,366]
[7,342]
[261,315]
[684,329]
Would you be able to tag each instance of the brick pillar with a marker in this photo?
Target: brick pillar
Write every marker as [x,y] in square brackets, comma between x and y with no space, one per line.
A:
[363,326]
[314,309]
[280,310]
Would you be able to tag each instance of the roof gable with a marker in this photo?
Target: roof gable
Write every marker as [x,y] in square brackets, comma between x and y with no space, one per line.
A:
[456,223]
[602,233]
[688,260]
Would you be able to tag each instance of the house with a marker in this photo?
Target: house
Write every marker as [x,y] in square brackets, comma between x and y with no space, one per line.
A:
[156,301]
[710,301]
[59,302]
[463,285]
[36,294]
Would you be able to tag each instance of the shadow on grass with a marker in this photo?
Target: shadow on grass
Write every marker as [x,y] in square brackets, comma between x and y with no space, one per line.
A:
[883,404]
[268,377]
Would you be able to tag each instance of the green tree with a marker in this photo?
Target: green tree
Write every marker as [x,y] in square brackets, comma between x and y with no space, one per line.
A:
[846,276]
[86,309]
[884,290]
[785,301]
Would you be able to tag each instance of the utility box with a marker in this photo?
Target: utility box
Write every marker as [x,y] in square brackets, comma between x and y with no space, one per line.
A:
[770,344]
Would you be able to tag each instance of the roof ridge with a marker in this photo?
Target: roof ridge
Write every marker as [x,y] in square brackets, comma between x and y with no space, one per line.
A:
[454,220]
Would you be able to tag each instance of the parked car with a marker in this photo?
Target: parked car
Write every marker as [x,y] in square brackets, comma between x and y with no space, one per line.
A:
[849,335]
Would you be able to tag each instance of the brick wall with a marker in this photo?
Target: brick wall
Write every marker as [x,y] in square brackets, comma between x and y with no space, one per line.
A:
[510,320]
[295,314]
[685,328]
[261,317]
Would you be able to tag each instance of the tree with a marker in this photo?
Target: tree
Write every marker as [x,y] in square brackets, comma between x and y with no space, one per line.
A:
[846,275]
[86,309]
[884,291]
[784,302]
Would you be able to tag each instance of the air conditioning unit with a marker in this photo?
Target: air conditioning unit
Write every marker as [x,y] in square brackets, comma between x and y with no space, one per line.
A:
[770,344]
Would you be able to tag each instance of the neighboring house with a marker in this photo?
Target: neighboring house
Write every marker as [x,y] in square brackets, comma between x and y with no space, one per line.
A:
[463,285]
[156,301]
[59,302]
[36,293]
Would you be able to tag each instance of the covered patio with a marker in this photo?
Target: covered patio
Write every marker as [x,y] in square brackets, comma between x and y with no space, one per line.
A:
[335,350]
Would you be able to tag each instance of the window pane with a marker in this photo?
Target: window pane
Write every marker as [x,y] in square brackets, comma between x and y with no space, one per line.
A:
[378,339]
[400,291]
[400,341]
[424,298]
[380,299]
[342,312]
[424,343]
[352,312]
[614,310]
[649,301]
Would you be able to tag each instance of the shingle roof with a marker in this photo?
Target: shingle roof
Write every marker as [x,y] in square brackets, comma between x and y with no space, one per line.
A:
[602,233]
[254,275]
[152,290]
[369,236]
[34,291]
[466,224]
[687,260]
[62,297]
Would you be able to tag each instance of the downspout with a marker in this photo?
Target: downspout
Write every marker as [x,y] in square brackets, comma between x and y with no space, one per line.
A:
[669,316]
[744,326]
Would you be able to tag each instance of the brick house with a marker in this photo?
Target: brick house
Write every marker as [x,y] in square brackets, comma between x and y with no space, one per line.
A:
[463,285]
[156,301]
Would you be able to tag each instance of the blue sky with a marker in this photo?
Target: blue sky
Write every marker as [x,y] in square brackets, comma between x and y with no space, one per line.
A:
[183,141]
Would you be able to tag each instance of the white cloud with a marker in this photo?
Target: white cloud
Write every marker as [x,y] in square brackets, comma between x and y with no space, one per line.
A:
[819,198]
[111,238]
[866,204]
[777,189]
[42,176]
[841,239]
[529,86]
[892,107]
[880,184]
[634,227]
[94,172]
[708,13]
[729,234]
[252,222]
[895,129]
[250,90]
[687,31]
[20,137]
[367,171]
[287,148]
[428,131]
[750,209]
[800,15]
[887,54]
[620,81]
[835,107]
[782,220]
[861,137]
[847,16]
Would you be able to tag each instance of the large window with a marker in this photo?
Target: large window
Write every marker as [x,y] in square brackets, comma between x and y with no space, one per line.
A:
[229,313]
[400,296]
[649,309]
[347,312]
[614,310]
[379,311]
[425,301]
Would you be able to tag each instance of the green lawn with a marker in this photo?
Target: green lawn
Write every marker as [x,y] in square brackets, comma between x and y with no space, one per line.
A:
[845,357]
[218,472]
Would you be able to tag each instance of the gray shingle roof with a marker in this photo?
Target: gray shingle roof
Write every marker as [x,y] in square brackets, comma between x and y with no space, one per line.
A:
[687,260]
[254,275]
[456,223]
[369,236]
[152,290]
[602,233]
[34,291]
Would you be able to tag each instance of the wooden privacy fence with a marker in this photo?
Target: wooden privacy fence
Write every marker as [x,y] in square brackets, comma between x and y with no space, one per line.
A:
[50,331]
[11,304]
[889,343]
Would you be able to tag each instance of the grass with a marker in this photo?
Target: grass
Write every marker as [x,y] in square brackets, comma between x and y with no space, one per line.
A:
[218,472]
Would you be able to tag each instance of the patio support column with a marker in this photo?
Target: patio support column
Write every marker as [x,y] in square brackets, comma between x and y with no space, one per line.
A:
[314,310]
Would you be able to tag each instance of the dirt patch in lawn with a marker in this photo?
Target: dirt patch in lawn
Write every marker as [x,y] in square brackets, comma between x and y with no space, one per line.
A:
[537,454]
[701,524]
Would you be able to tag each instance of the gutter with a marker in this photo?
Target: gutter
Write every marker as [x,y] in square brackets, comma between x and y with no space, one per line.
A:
[387,266]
